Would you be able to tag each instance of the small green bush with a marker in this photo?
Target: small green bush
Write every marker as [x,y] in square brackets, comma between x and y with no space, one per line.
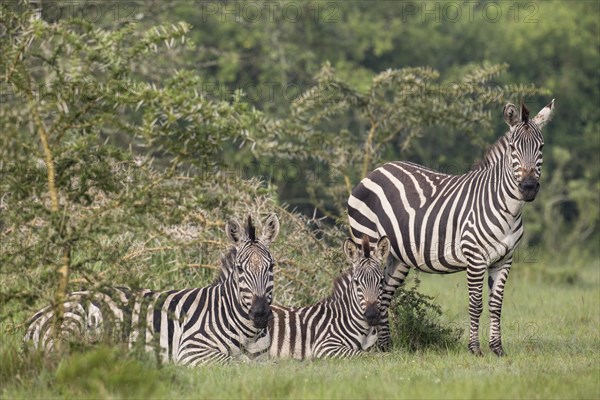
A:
[108,374]
[86,372]
[416,323]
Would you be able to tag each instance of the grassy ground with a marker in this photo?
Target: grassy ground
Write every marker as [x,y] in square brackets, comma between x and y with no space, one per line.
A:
[551,327]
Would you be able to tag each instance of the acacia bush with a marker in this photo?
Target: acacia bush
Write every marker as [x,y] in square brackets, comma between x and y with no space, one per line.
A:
[109,178]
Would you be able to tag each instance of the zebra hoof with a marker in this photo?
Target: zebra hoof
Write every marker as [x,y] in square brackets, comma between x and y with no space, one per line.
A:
[387,347]
[498,351]
[476,351]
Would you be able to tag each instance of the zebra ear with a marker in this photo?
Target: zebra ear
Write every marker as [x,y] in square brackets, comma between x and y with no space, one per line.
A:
[545,115]
[382,250]
[270,229]
[511,114]
[351,250]
[235,231]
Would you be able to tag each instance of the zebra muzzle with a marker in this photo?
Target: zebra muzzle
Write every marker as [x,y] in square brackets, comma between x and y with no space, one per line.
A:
[529,188]
[372,314]
[260,312]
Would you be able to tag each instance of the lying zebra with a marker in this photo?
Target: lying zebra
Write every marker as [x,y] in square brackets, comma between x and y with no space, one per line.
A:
[191,326]
[341,325]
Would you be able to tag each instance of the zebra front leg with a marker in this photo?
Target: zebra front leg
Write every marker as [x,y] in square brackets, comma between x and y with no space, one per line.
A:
[496,282]
[336,349]
[475,285]
[199,353]
[384,339]
[394,275]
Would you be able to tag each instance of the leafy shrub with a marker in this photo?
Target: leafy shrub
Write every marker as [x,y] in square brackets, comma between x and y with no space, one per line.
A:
[98,372]
[108,374]
[416,323]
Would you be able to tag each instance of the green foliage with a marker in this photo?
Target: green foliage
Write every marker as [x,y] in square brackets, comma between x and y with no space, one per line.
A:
[391,114]
[416,321]
[105,372]
[108,374]
[560,275]
[550,45]
[564,220]
[17,367]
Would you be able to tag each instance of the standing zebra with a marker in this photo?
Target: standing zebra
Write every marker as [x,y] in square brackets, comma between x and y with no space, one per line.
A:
[442,223]
[189,326]
[342,325]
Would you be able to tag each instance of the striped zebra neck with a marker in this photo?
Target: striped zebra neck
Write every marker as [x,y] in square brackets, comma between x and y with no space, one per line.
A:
[494,155]
[343,301]
[340,286]
[227,264]
[496,166]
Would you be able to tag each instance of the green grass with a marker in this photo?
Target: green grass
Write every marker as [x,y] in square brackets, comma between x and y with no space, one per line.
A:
[551,335]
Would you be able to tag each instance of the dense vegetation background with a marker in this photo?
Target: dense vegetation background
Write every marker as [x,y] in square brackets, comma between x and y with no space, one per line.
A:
[130,131]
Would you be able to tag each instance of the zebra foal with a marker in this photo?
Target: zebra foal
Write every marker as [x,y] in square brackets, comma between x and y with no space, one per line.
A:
[217,323]
[440,223]
[342,325]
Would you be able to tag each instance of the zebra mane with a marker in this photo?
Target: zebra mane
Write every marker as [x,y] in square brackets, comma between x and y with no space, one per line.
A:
[227,265]
[338,287]
[524,112]
[492,155]
[251,230]
[366,247]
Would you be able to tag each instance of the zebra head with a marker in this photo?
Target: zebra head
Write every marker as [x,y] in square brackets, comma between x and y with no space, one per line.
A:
[525,142]
[253,267]
[367,275]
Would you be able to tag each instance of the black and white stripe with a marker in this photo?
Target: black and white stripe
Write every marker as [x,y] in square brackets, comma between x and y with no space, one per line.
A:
[443,223]
[342,325]
[191,326]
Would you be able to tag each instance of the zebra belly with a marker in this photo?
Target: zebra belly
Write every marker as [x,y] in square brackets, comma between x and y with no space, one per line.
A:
[434,266]
[424,234]
[431,258]
[500,250]
[494,252]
